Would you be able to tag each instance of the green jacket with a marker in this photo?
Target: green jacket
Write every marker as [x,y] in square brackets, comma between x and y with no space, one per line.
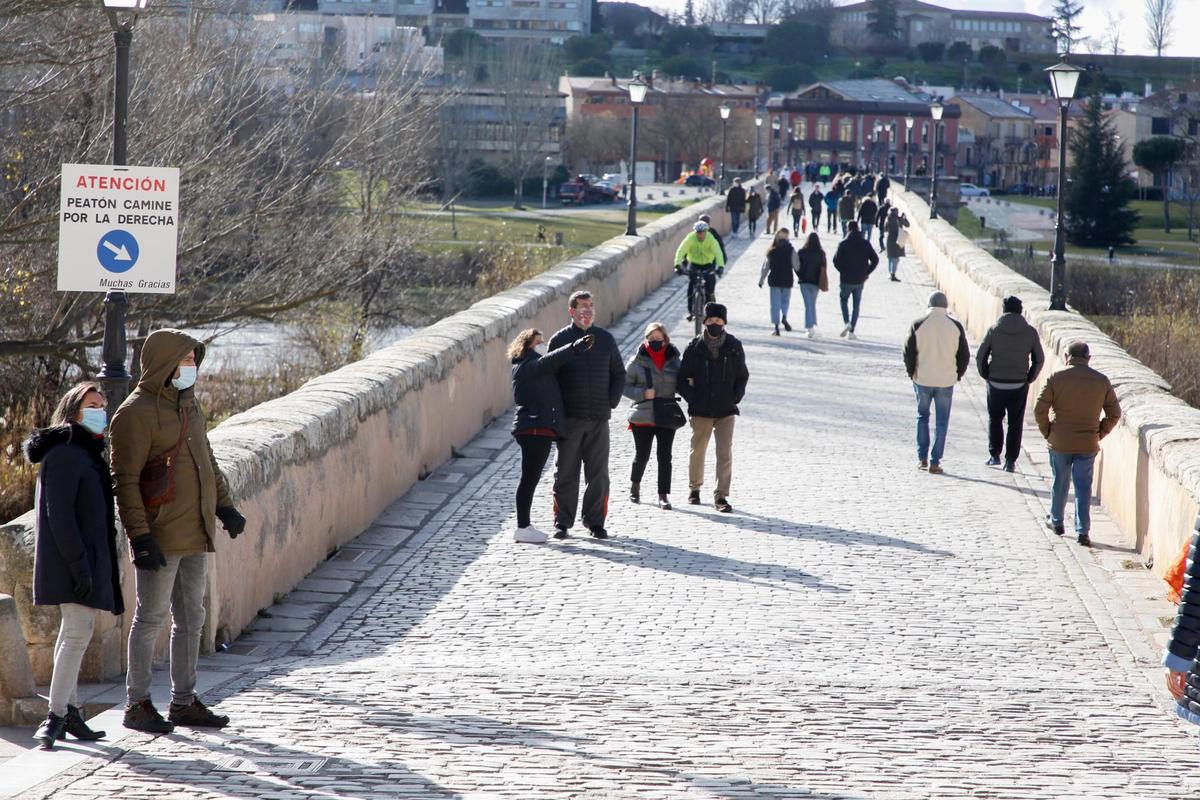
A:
[146,425]
[699,252]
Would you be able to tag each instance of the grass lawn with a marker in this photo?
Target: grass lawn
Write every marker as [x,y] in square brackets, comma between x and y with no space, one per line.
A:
[968,223]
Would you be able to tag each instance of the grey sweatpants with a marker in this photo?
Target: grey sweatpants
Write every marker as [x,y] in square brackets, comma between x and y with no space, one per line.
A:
[587,444]
[179,585]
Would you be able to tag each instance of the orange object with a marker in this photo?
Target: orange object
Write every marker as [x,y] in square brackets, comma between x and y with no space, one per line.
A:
[1176,683]
[1176,572]
[804,224]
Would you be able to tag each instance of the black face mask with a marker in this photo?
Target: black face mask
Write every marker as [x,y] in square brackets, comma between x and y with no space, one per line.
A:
[656,346]
[714,330]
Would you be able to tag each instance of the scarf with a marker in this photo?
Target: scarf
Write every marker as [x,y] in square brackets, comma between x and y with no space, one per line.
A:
[714,345]
[659,358]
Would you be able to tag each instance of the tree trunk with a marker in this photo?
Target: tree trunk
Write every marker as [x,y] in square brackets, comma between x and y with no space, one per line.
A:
[1166,198]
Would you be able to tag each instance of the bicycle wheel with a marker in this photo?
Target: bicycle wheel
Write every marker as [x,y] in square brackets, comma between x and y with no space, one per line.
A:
[698,307]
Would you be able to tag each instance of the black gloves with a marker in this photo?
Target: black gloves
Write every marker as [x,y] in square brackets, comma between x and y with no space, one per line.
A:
[579,345]
[146,553]
[233,521]
[720,272]
[81,585]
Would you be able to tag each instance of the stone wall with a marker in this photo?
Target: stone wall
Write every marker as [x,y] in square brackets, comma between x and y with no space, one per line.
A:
[1148,472]
[313,469]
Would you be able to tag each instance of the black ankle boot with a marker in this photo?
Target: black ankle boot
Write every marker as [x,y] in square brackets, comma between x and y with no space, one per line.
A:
[51,731]
[78,728]
[635,493]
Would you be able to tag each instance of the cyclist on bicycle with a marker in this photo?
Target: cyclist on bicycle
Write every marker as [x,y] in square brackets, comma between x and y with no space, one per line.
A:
[704,257]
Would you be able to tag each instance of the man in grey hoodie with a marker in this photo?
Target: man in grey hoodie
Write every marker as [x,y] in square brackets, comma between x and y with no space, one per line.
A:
[1009,359]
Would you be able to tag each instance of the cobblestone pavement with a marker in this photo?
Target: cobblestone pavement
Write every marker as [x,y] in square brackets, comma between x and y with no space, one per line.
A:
[856,629]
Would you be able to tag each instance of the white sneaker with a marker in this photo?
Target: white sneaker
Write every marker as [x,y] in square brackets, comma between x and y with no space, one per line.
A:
[812,334]
[845,331]
[851,336]
[529,535]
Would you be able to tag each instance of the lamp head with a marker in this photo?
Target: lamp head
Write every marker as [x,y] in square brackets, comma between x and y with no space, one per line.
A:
[775,124]
[936,108]
[126,5]
[908,121]
[1064,78]
[725,109]
[637,90]
[758,120]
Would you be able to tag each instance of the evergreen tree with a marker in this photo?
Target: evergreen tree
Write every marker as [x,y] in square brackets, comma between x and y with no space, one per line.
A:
[1066,29]
[689,14]
[1098,193]
[883,19]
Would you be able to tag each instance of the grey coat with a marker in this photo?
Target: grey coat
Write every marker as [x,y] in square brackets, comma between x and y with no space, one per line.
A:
[664,382]
[1011,352]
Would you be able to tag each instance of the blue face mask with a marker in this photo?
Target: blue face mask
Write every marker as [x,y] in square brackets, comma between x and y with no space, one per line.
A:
[186,379]
[94,420]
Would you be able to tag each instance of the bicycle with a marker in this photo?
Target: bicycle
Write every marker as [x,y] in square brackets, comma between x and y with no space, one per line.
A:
[697,297]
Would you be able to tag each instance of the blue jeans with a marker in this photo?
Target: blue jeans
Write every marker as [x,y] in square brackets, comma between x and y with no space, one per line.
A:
[940,396]
[893,263]
[1072,468]
[781,298]
[849,290]
[809,292]
[735,220]
[866,230]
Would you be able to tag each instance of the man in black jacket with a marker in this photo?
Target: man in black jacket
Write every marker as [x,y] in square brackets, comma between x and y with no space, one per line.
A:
[712,379]
[591,387]
[854,260]
[735,204]
[1009,359]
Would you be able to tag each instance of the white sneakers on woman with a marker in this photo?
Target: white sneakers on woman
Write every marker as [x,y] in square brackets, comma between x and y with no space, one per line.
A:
[529,535]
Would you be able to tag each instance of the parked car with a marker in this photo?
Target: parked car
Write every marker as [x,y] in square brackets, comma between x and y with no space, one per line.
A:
[581,192]
[971,190]
[1018,189]
[699,180]
[614,179]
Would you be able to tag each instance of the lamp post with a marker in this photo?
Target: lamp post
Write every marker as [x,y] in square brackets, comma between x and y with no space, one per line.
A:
[758,121]
[775,126]
[637,93]
[1063,80]
[725,109]
[908,126]
[875,146]
[545,179]
[114,376]
[935,110]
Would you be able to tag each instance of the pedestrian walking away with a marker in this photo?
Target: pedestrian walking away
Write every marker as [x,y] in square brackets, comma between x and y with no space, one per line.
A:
[712,379]
[754,209]
[867,210]
[1076,408]
[832,198]
[846,210]
[539,418]
[783,185]
[778,270]
[1009,359]
[855,260]
[774,201]
[735,204]
[1183,673]
[591,385]
[882,184]
[936,356]
[816,201]
[881,219]
[894,250]
[796,209]
[794,178]
[814,278]
[650,382]
[75,564]
[170,494]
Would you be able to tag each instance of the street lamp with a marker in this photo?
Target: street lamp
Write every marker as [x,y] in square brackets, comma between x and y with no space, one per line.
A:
[1063,80]
[545,179]
[775,126]
[114,376]
[758,121]
[725,109]
[637,94]
[935,110]
[908,126]
[875,145]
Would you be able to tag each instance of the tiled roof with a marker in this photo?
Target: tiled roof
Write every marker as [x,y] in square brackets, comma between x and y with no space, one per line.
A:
[877,90]
[993,106]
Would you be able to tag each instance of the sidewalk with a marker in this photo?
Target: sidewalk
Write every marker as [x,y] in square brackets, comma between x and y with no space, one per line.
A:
[856,629]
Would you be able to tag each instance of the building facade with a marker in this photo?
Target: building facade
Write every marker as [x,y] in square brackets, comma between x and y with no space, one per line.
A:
[1006,151]
[921,22]
[553,21]
[833,122]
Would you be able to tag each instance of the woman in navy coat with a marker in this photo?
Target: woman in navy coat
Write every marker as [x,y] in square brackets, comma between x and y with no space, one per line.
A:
[539,419]
[75,550]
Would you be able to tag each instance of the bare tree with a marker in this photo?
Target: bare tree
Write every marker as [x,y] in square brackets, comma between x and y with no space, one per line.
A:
[1111,39]
[597,140]
[731,11]
[765,12]
[1160,18]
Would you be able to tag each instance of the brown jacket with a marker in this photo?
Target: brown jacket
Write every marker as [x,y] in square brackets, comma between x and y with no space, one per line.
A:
[1077,394]
[146,425]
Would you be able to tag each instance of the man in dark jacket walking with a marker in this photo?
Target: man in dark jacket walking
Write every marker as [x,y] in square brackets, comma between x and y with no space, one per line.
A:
[867,210]
[591,388]
[712,379]
[854,260]
[1009,359]
[882,184]
[735,204]
[846,208]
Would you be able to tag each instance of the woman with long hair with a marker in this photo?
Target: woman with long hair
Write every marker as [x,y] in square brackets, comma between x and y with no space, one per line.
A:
[75,545]
[539,419]
[796,209]
[650,380]
[811,270]
[778,270]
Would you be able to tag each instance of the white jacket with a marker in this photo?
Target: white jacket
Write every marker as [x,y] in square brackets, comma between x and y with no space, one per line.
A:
[936,352]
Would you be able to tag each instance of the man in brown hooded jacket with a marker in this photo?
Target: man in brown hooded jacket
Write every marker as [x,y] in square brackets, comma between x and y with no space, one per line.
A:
[170,522]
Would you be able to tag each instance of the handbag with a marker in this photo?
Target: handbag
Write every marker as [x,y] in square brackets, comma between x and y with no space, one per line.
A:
[668,414]
[157,479]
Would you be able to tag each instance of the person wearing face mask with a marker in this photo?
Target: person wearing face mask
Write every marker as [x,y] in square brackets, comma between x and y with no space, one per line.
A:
[170,494]
[712,379]
[591,385]
[650,382]
[538,419]
[75,545]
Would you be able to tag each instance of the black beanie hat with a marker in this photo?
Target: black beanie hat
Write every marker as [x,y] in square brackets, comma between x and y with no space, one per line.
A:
[715,310]
[1012,305]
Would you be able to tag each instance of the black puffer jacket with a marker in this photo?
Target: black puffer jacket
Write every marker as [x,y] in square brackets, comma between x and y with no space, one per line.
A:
[75,530]
[536,391]
[713,387]
[855,258]
[591,382]
[1185,636]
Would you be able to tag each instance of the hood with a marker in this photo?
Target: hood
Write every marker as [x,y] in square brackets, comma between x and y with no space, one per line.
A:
[161,354]
[1011,323]
[43,440]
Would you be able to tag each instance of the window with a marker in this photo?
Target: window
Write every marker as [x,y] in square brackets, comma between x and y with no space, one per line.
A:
[801,128]
[1160,126]
[526,4]
[1193,127]
[846,130]
[925,133]
[823,129]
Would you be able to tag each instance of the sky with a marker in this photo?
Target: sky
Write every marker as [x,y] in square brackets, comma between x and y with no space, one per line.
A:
[1094,20]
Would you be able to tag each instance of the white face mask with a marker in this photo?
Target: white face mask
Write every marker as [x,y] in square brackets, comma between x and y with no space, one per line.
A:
[94,420]
[186,379]
[541,349]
